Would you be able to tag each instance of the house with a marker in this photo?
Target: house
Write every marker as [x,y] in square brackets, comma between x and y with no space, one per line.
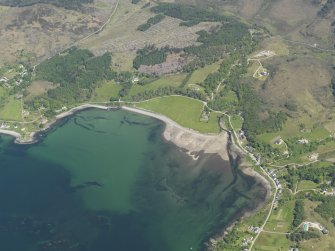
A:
[264,73]
[241,134]
[303,141]
[278,141]
[313,157]
[325,231]
[3,80]
[25,113]
[4,126]
[44,120]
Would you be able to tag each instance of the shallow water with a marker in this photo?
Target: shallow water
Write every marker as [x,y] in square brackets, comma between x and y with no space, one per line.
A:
[109,181]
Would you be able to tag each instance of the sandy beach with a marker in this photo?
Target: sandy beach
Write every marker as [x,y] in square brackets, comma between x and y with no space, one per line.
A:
[189,139]
[16,135]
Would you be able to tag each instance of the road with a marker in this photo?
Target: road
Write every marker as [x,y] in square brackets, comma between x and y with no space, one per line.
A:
[100,29]
[238,143]
[270,212]
[307,44]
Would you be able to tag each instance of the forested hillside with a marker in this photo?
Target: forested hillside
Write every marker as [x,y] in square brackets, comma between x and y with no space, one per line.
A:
[75,75]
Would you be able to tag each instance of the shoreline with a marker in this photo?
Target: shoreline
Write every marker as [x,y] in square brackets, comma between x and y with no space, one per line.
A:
[192,141]
[32,137]
[237,155]
[186,138]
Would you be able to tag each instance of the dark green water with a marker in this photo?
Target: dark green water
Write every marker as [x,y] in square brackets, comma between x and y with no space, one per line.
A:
[104,181]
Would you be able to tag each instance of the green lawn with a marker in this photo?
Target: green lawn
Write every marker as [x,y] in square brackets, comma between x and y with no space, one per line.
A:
[185,111]
[107,90]
[281,218]
[237,122]
[318,134]
[199,75]
[307,184]
[11,110]
[174,80]
[3,92]
[291,129]
[326,148]
[268,138]
[272,242]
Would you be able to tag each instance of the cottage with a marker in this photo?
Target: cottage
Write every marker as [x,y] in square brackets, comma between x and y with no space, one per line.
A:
[278,141]
[3,80]
[303,141]
[313,157]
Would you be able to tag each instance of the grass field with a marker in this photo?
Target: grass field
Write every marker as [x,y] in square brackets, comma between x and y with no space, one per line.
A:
[3,92]
[307,184]
[174,80]
[11,110]
[184,111]
[107,90]
[327,150]
[38,88]
[276,45]
[252,67]
[258,74]
[237,122]
[291,129]
[281,218]
[199,75]
[272,242]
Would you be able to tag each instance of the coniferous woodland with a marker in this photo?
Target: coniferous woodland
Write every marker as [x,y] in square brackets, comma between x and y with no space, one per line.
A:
[150,22]
[75,74]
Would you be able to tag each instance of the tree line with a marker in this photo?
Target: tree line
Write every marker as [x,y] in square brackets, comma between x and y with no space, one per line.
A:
[191,15]
[150,22]
[149,55]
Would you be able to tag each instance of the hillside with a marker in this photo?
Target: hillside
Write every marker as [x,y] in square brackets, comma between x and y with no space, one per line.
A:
[262,69]
[73,4]
[33,33]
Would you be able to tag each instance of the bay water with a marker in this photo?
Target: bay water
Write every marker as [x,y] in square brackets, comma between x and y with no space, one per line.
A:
[104,181]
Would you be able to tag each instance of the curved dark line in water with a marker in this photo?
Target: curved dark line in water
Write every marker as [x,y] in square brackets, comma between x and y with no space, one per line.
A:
[86,184]
[87,127]
[129,122]
[242,209]
[241,193]
[91,118]
[233,164]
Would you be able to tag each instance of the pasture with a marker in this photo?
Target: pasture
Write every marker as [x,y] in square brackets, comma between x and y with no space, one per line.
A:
[185,111]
